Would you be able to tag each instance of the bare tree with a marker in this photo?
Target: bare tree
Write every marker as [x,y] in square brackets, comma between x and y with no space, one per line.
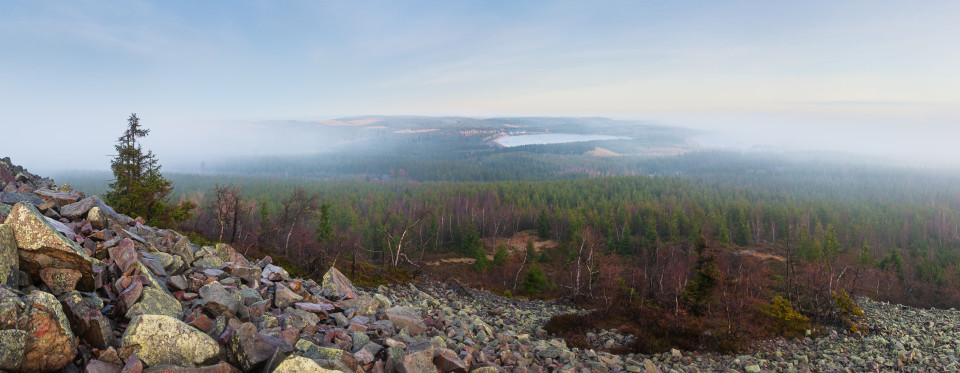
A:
[228,210]
[295,209]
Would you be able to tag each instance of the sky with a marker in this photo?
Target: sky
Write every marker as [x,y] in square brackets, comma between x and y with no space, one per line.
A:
[877,77]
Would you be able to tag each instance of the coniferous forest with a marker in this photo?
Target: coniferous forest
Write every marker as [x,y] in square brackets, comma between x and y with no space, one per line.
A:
[729,244]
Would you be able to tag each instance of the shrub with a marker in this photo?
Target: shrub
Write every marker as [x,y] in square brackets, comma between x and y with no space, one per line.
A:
[789,322]
[847,312]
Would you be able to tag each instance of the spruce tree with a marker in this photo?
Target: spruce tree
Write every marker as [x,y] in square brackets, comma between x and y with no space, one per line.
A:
[139,189]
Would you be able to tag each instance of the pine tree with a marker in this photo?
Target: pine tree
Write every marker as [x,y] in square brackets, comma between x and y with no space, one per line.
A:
[139,189]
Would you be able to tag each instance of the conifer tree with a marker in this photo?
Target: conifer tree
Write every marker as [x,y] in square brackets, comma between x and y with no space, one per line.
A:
[139,189]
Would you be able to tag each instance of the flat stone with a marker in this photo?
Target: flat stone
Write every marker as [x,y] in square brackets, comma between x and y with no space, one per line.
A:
[163,340]
[9,259]
[61,198]
[41,246]
[222,367]
[15,198]
[60,280]
[97,366]
[299,364]
[310,350]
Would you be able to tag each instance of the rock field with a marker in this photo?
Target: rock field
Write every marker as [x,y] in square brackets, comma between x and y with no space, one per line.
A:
[83,288]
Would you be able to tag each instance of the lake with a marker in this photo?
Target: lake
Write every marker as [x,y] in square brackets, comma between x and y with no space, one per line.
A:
[551,138]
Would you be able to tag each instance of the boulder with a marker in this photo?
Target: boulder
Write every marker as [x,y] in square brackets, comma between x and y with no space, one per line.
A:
[299,364]
[9,260]
[217,300]
[154,301]
[274,273]
[13,345]
[60,280]
[15,198]
[87,322]
[41,246]
[249,350]
[286,297]
[97,219]
[50,343]
[125,255]
[163,340]
[406,318]
[62,198]
[222,367]
[447,361]
[417,362]
[337,285]
[77,209]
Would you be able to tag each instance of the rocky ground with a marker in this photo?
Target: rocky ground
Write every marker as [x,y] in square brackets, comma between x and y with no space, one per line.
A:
[83,288]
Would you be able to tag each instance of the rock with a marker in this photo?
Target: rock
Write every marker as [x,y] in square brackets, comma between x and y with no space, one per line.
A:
[248,273]
[448,362]
[310,350]
[9,259]
[163,340]
[42,247]
[298,364]
[60,280]
[222,367]
[336,284]
[87,322]
[97,366]
[129,296]
[384,301]
[285,297]
[274,273]
[364,303]
[125,255]
[50,343]
[406,318]
[217,301]
[417,362]
[248,349]
[752,368]
[15,198]
[133,365]
[61,198]
[154,301]
[77,209]
[96,217]
[13,345]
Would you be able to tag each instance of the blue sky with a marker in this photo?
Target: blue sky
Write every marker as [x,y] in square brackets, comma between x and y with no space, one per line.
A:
[853,73]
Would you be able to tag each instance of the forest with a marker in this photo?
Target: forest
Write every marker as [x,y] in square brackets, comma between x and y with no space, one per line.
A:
[743,245]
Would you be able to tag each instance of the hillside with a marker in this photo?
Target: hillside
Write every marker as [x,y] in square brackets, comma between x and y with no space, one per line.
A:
[83,288]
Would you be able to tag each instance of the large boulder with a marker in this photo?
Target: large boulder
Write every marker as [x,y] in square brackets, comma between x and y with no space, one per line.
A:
[154,301]
[163,340]
[406,318]
[14,198]
[299,364]
[78,209]
[418,362]
[50,343]
[9,260]
[337,285]
[41,246]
